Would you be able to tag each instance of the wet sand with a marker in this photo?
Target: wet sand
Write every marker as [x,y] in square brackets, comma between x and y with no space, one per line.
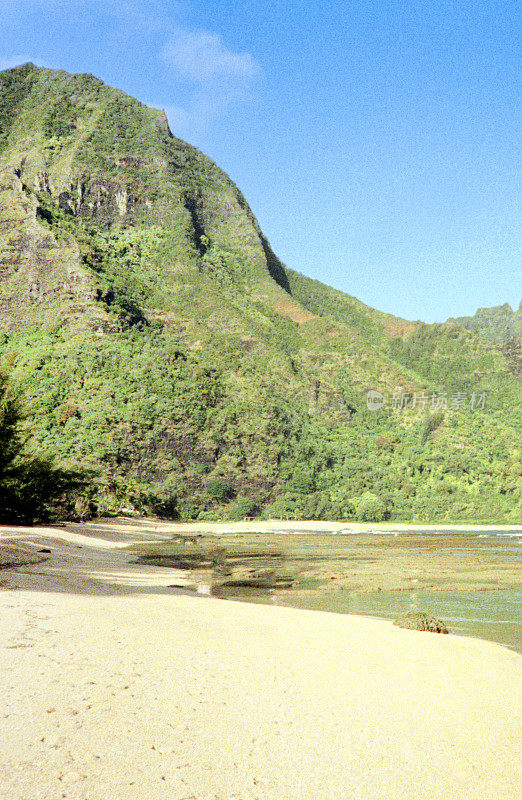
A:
[116,687]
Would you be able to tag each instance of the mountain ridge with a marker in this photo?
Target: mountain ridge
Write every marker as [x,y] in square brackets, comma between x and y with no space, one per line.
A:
[496,323]
[161,342]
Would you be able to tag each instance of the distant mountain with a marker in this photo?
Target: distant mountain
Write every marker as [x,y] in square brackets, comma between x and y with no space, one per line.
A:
[160,343]
[498,324]
[503,327]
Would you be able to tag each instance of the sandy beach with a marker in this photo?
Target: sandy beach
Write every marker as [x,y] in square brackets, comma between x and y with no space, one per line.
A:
[114,686]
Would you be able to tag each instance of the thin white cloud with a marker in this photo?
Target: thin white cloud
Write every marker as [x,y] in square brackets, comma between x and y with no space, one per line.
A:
[202,57]
[221,78]
[216,78]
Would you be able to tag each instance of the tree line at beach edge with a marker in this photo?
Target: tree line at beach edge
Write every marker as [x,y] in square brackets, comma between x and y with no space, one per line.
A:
[366,474]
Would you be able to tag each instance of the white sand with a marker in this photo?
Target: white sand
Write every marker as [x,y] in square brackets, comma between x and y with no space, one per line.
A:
[160,697]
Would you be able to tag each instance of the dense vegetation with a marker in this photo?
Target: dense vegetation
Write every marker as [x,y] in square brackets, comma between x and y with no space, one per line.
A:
[499,324]
[161,346]
[31,488]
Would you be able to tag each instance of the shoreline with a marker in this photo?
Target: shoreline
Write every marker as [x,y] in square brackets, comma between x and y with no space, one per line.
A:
[455,575]
[117,686]
[266,526]
[178,697]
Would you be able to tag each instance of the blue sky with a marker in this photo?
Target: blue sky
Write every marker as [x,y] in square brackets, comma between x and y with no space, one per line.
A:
[378,143]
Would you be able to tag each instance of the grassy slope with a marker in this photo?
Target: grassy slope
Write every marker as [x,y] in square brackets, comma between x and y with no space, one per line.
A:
[185,355]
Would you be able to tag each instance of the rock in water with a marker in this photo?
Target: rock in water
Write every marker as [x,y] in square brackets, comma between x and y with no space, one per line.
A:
[419,621]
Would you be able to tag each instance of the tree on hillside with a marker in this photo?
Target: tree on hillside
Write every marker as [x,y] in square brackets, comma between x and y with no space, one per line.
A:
[31,489]
[10,443]
[512,350]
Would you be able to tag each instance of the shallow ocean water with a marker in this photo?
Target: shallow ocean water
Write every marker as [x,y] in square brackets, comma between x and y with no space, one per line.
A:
[494,614]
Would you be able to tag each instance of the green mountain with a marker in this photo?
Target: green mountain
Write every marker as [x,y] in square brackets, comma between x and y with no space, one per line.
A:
[503,327]
[159,343]
[498,324]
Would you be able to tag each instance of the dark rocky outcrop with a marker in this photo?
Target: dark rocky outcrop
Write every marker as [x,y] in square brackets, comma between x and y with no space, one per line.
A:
[419,621]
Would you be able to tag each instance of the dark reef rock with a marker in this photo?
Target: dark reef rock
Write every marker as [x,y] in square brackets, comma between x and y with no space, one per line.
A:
[418,621]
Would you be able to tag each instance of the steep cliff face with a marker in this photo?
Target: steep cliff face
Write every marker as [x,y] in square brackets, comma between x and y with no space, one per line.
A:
[104,157]
[42,279]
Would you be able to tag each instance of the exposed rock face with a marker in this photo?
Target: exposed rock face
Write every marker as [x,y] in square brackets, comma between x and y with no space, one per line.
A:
[92,198]
[40,277]
[107,160]
[419,621]
[104,157]
[40,182]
